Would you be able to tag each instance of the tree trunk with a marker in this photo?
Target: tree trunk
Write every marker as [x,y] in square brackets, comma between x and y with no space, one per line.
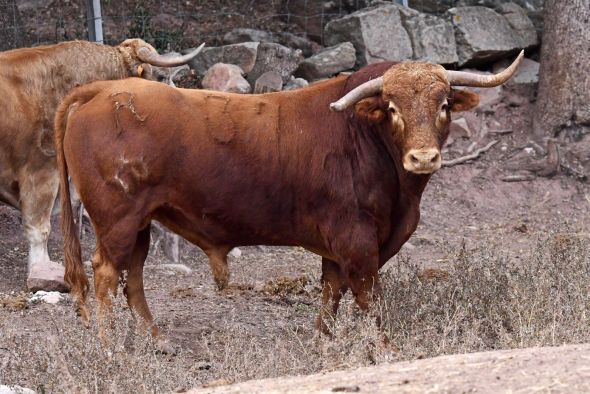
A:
[563,104]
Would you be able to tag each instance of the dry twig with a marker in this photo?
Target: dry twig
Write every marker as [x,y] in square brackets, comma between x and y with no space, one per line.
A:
[472,156]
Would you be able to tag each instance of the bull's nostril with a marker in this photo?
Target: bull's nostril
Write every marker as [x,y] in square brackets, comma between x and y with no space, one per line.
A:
[414,159]
[435,158]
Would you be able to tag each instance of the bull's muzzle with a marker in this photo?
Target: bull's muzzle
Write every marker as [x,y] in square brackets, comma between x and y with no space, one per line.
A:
[422,161]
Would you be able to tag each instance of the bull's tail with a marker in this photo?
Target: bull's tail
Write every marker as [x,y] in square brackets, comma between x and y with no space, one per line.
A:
[75,275]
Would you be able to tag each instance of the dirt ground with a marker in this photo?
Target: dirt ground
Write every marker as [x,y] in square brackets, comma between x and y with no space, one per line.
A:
[553,369]
[467,203]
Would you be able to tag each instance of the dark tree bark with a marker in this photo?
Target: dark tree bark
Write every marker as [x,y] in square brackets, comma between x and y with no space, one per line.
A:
[563,104]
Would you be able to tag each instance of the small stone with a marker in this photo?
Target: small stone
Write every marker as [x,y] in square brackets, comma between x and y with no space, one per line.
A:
[49,297]
[174,268]
[47,276]
[235,253]
[295,83]
[15,390]
[226,78]
[268,82]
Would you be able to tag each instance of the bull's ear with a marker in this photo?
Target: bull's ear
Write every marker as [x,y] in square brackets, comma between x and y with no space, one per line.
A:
[370,109]
[464,100]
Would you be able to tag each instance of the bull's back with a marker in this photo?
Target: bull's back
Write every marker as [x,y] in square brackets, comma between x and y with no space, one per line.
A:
[234,167]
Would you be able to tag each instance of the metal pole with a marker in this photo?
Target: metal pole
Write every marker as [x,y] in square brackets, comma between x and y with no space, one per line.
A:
[94,21]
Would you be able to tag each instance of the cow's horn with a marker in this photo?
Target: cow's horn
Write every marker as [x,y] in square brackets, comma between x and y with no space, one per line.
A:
[147,55]
[367,89]
[463,78]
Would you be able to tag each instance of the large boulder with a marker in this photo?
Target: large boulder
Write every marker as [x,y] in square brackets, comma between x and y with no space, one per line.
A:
[226,78]
[534,8]
[274,57]
[482,35]
[520,23]
[433,38]
[376,32]
[242,55]
[328,62]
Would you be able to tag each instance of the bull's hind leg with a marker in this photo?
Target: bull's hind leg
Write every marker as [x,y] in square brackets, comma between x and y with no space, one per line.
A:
[334,286]
[218,264]
[134,289]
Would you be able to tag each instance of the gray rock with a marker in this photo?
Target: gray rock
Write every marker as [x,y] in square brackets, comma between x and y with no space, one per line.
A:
[521,24]
[237,36]
[274,57]
[48,297]
[328,62]
[270,81]
[433,38]
[171,74]
[15,390]
[47,276]
[295,83]
[242,55]
[482,35]
[376,32]
[526,74]
[306,46]
[226,78]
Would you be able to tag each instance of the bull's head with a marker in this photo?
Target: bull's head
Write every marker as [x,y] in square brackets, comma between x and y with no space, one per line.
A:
[142,60]
[413,101]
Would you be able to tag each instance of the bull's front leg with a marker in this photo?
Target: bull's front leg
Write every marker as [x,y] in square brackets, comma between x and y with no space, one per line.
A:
[37,196]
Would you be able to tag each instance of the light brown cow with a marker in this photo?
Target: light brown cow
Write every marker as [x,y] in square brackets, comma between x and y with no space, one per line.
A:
[33,81]
[224,170]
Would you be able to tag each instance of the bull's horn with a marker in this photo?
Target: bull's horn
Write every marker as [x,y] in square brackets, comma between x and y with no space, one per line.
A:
[147,55]
[367,89]
[463,78]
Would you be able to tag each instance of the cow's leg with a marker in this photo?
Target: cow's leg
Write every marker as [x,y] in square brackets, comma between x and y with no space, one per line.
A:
[334,286]
[134,290]
[106,280]
[38,192]
[218,264]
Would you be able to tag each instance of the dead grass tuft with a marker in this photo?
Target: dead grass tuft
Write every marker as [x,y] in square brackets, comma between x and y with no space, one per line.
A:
[14,302]
[66,357]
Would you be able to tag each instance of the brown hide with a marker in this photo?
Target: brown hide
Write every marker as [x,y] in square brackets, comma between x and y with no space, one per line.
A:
[225,170]
[33,81]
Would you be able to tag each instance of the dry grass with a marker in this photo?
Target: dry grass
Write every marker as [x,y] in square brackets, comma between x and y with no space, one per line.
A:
[481,300]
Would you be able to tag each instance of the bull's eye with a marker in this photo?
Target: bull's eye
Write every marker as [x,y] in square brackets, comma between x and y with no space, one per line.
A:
[445,106]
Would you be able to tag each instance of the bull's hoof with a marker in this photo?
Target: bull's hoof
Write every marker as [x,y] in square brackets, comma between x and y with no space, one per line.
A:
[47,276]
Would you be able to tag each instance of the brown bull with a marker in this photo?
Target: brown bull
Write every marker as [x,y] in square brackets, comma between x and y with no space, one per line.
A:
[224,170]
[33,81]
